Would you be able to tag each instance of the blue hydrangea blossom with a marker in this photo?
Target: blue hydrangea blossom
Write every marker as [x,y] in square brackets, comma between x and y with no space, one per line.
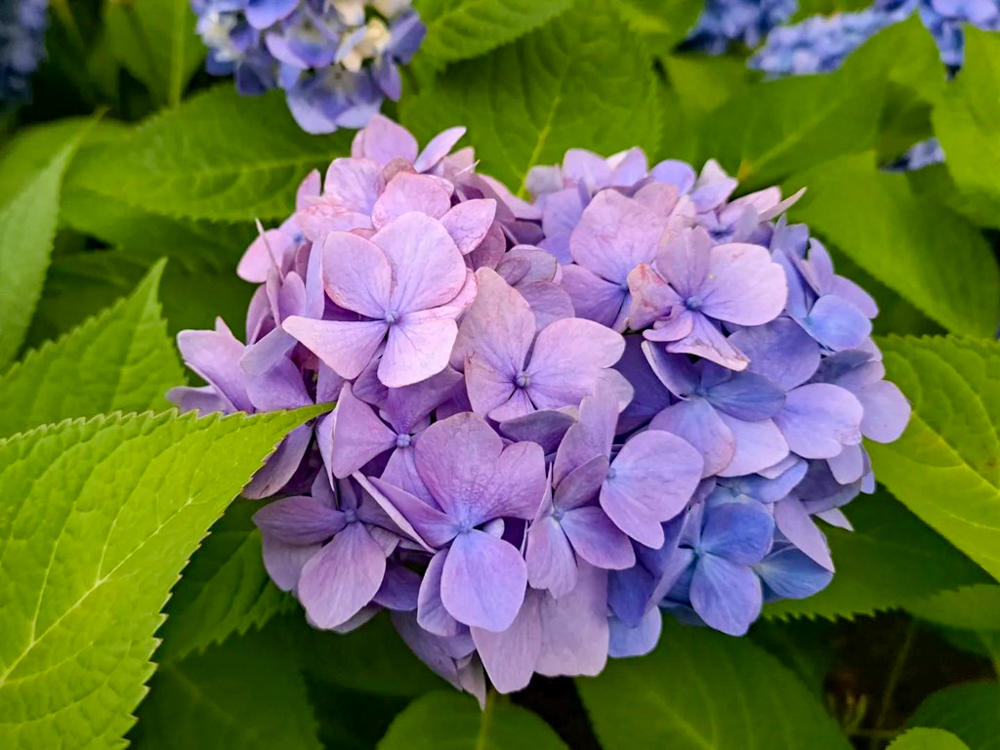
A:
[22,46]
[554,419]
[336,60]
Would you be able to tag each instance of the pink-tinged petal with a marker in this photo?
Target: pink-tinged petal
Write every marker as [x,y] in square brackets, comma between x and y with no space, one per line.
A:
[597,540]
[418,347]
[412,515]
[546,428]
[358,436]
[518,406]
[406,408]
[342,577]
[308,188]
[701,426]
[525,264]
[345,346]
[713,186]
[323,217]
[267,251]
[653,299]
[794,522]
[744,286]
[575,627]
[849,465]
[215,356]
[684,258]
[284,561]
[614,235]
[650,481]
[549,558]
[568,358]
[549,302]
[357,274]
[887,411]
[706,340]
[437,148]
[836,323]
[758,446]
[431,614]
[468,222]
[427,269]
[472,476]
[582,484]
[498,328]
[489,389]
[281,465]
[483,581]
[590,437]
[678,324]
[628,167]
[819,419]
[265,354]
[383,140]
[509,657]
[353,184]
[300,519]
[411,192]
[727,596]
[593,298]
[581,165]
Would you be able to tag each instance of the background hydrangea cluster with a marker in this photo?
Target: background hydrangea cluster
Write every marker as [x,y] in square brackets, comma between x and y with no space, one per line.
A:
[22,32]
[336,60]
[553,418]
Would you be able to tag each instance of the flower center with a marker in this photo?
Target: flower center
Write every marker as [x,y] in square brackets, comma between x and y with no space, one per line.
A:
[403,440]
[391,317]
[692,303]
[611,473]
[350,515]
[523,380]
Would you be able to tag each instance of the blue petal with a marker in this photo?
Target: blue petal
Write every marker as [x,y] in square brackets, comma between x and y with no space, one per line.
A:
[727,596]
[739,532]
[792,575]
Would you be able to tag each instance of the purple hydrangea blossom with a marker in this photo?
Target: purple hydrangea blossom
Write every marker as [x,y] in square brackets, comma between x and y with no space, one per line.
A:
[554,420]
[723,22]
[336,60]
[22,47]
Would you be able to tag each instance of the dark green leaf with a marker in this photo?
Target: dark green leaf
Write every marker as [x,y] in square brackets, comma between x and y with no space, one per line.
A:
[970,711]
[928,739]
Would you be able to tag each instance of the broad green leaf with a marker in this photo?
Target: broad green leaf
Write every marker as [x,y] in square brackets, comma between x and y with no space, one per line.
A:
[922,738]
[704,82]
[663,23]
[702,690]
[970,711]
[96,521]
[121,360]
[969,608]
[372,659]
[217,156]
[929,255]
[453,720]
[156,42]
[223,591]
[192,293]
[890,559]
[461,29]
[27,229]
[967,122]
[945,467]
[350,720]
[246,693]
[581,81]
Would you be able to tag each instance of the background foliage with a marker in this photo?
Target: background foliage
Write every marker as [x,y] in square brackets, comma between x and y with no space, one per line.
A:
[129,155]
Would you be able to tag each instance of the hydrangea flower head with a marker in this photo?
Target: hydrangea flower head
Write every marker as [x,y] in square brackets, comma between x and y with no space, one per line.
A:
[22,37]
[555,420]
[336,60]
[723,22]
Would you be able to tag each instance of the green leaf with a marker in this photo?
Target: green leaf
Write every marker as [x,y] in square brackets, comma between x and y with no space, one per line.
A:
[27,229]
[121,360]
[453,720]
[967,122]
[462,29]
[217,156]
[372,659]
[890,559]
[970,711]
[932,257]
[581,81]
[156,42]
[928,739]
[246,693]
[664,23]
[96,521]
[702,690]
[224,590]
[969,608]
[945,466]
